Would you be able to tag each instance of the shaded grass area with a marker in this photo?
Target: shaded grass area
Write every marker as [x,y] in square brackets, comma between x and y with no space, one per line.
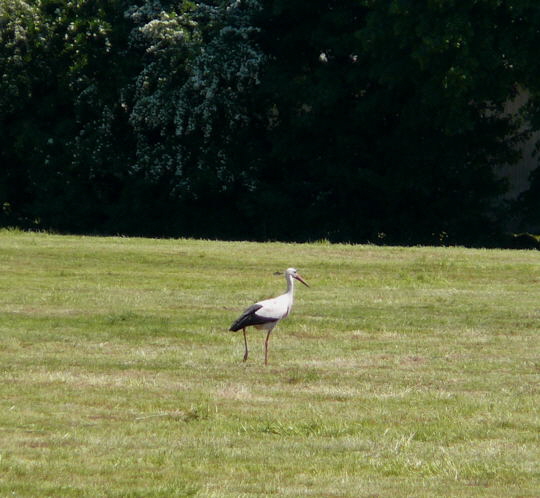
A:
[402,371]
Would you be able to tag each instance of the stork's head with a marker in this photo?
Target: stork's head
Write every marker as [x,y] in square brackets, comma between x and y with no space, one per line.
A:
[294,274]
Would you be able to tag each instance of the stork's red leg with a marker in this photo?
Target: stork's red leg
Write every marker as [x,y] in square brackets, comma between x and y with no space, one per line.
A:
[266,347]
[245,345]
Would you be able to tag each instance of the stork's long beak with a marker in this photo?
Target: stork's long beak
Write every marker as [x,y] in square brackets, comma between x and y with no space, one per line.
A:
[298,277]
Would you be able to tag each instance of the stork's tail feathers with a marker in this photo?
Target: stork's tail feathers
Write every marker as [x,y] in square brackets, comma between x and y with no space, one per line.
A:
[239,324]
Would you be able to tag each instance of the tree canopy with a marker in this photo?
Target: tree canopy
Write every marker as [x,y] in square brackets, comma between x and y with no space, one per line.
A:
[292,120]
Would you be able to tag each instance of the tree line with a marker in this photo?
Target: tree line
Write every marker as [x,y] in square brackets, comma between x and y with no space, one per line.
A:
[354,120]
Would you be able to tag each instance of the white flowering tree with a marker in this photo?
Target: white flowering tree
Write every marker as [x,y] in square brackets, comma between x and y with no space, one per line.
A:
[193,98]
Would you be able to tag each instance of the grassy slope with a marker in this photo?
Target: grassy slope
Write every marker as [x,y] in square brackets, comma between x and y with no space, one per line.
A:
[402,371]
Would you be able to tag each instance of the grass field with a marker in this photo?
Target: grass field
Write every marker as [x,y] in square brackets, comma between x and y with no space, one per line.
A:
[401,372]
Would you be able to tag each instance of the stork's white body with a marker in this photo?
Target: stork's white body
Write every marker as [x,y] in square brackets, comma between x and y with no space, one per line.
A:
[275,309]
[268,313]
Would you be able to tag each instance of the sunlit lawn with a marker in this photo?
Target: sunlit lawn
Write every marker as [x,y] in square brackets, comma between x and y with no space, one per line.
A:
[401,372]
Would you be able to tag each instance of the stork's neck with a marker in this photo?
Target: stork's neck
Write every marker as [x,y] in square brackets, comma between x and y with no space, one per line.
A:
[290,286]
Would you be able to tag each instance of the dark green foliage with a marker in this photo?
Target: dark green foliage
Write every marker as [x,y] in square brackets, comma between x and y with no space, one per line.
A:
[398,102]
[60,137]
[295,120]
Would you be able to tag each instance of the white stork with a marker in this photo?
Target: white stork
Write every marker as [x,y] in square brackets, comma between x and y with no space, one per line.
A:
[267,314]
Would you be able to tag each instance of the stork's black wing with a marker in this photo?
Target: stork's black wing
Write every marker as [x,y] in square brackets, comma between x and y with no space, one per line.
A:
[249,317]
